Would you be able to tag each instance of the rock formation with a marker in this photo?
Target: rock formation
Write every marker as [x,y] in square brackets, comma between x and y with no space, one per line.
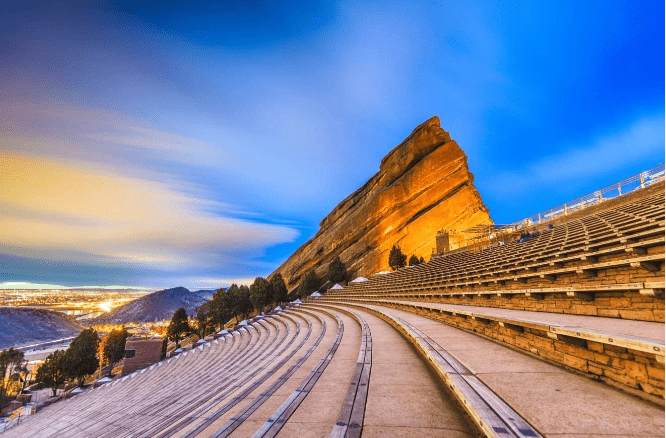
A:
[423,185]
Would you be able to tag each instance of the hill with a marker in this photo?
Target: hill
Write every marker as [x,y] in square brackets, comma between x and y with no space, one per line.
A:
[20,326]
[207,294]
[157,306]
[423,185]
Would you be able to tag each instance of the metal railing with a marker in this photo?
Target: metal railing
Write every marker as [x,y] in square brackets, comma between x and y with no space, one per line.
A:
[482,236]
[628,185]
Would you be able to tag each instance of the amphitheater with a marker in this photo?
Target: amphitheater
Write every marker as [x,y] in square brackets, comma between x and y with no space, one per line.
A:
[561,335]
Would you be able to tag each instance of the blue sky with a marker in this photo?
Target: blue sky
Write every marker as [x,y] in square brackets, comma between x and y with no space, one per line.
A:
[185,143]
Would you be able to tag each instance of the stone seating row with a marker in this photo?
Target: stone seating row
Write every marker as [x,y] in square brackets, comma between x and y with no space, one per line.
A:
[637,301]
[186,395]
[461,276]
[162,370]
[491,414]
[450,270]
[627,354]
[281,415]
[508,393]
[210,407]
[212,415]
[140,398]
[154,417]
[610,268]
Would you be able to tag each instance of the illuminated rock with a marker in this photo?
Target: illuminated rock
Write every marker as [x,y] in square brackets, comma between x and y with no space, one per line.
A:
[423,185]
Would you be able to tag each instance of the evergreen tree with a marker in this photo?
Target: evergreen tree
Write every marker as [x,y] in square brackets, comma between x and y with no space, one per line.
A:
[245,306]
[202,319]
[309,284]
[220,308]
[234,301]
[337,271]
[81,356]
[413,260]
[113,347]
[421,260]
[179,326]
[261,294]
[10,360]
[278,289]
[52,373]
[397,259]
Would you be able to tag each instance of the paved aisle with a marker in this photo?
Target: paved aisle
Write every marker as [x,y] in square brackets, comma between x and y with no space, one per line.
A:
[319,411]
[404,398]
[641,329]
[558,403]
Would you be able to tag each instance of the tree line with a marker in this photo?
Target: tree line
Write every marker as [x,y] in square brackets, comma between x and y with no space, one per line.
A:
[236,302]
[82,358]
[239,302]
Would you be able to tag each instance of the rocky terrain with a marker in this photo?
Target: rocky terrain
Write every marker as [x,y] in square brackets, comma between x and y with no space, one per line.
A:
[19,326]
[157,306]
[423,185]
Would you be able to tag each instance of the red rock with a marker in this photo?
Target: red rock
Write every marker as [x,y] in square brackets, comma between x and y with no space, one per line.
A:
[423,185]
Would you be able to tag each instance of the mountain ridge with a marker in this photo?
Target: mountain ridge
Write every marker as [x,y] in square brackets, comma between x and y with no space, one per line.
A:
[153,307]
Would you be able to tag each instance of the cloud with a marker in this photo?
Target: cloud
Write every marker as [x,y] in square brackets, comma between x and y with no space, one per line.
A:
[93,134]
[641,140]
[24,285]
[70,211]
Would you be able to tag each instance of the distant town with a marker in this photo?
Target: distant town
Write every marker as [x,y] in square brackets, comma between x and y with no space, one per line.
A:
[80,303]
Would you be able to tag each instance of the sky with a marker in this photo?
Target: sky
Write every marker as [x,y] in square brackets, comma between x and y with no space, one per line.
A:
[169,143]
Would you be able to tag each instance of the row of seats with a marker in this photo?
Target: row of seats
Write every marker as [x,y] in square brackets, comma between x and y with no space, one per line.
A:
[376,359]
[342,369]
[612,253]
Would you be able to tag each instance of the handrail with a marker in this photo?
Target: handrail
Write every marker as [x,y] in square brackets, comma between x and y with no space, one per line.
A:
[620,188]
[481,235]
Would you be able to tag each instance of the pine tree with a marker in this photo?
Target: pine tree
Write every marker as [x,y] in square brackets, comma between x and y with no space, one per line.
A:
[81,356]
[179,326]
[114,347]
[220,308]
[413,260]
[309,284]
[52,372]
[233,300]
[245,306]
[10,360]
[337,271]
[278,289]
[397,259]
[203,320]
[260,293]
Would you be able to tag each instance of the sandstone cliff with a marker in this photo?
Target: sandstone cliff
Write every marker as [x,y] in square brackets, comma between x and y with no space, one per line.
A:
[423,185]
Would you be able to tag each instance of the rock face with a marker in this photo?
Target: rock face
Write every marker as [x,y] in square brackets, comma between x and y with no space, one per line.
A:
[423,185]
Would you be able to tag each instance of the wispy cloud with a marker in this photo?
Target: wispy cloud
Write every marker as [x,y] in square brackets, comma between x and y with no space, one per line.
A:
[24,285]
[81,214]
[641,140]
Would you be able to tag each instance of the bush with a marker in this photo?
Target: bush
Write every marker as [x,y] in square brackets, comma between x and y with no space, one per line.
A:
[81,356]
[337,271]
[309,284]
[178,327]
[397,259]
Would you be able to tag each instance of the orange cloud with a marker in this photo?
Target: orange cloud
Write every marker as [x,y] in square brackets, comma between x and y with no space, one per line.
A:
[72,211]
